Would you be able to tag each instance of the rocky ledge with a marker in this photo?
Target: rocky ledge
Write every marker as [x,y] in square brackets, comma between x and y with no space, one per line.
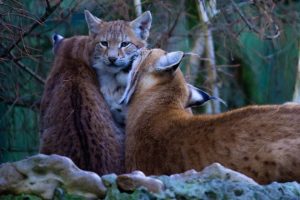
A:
[56,177]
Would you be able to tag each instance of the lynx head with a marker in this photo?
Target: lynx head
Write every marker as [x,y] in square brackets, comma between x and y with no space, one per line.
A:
[154,69]
[117,42]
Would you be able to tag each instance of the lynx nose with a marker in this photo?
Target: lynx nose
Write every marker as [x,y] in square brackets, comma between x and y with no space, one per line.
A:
[112,59]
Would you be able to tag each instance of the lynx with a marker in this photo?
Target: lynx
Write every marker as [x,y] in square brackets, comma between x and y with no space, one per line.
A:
[117,45]
[262,142]
[75,120]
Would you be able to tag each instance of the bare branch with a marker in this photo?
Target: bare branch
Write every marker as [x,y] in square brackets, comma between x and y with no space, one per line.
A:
[251,26]
[168,33]
[194,63]
[41,20]
[28,70]
[48,4]
[22,103]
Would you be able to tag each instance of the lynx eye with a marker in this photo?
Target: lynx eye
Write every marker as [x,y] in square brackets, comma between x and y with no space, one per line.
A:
[104,43]
[124,44]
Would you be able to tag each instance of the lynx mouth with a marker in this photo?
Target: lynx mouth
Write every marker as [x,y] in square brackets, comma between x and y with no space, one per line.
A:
[127,69]
[114,66]
[124,68]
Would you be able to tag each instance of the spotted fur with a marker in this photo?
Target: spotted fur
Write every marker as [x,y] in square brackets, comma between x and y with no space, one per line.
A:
[75,121]
[262,142]
[117,45]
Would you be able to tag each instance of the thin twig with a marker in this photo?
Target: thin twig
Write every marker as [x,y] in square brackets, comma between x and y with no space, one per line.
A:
[41,20]
[170,31]
[28,70]
[48,4]
[22,103]
[193,66]
[251,26]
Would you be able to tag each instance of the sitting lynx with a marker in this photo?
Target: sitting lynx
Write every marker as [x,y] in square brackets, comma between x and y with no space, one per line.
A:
[117,45]
[75,121]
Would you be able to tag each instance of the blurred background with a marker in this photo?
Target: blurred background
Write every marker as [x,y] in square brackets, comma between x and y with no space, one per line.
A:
[246,52]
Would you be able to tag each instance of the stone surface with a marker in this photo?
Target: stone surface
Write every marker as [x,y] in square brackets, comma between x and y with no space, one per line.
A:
[137,179]
[214,171]
[56,176]
[41,175]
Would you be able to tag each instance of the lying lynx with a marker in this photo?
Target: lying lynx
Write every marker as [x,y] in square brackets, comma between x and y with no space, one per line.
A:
[262,142]
[75,120]
[117,45]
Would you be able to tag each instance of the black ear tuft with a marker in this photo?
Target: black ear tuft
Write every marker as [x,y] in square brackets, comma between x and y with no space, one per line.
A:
[56,40]
[198,97]
[218,99]
[55,37]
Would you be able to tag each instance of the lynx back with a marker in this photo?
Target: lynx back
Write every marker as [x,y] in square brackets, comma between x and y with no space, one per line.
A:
[75,121]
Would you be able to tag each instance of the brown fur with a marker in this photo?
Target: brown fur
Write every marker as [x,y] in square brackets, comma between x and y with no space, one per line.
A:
[262,142]
[75,121]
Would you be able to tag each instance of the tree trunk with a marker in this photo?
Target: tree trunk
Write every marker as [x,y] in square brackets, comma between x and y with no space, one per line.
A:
[138,7]
[296,97]
[210,54]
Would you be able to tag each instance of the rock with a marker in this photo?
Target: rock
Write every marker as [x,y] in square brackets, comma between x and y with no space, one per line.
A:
[214,171]
[57,177]
[109,179]
[137,179]
[218,182]
[42,174]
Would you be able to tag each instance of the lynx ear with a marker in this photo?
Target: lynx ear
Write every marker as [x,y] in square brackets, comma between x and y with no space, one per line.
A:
[198,97]
[142,25]
[56,39]
[92,22]
[169,61]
